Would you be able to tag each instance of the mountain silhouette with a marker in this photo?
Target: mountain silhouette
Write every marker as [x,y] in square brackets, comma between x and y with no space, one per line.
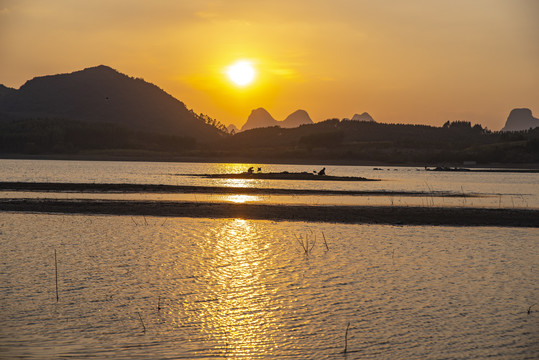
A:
[363,117]
[260,118]
[232,129]
[520,119]
[5,91]
[102,94]
[297,118]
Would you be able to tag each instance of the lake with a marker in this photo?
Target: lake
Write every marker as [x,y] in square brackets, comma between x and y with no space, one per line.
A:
[477,189]
[136,287]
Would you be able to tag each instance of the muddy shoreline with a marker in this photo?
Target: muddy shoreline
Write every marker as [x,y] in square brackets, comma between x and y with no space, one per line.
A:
[392,215]
[284,176]
[225,190]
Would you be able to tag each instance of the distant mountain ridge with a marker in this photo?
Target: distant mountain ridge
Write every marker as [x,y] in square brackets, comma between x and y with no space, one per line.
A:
[260,118]
[232,129]
[297,118]
[520,119]
[363,117]
[102,94]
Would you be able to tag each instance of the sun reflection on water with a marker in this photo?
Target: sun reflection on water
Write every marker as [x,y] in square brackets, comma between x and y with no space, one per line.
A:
[240,199]
[238,311]
[241,183]
[236,169]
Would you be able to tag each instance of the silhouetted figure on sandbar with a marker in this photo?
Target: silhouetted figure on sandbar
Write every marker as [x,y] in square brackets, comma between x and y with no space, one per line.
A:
[322,172]
[250,170]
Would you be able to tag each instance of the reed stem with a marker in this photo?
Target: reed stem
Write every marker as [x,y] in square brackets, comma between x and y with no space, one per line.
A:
[325,242]
[346,338]
[56,274]
[142,322]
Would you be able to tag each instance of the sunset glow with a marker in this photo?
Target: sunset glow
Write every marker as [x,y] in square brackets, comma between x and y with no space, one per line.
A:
[410,62]
[241,73]
[269,179]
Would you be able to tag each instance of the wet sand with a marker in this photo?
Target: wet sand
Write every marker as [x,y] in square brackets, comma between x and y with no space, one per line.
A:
[226,190]
[394,215]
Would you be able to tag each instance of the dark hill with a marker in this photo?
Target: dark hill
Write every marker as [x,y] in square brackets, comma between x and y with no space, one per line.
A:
[102,94]
[355,141]
[5,91]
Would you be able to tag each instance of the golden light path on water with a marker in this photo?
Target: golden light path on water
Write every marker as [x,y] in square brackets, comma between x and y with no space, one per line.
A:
[242,287]
[238,183]
[240,199]
[147,287]
[234,168]
[242,311]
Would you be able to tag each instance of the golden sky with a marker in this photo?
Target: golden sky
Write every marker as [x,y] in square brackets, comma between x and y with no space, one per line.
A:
[416,61]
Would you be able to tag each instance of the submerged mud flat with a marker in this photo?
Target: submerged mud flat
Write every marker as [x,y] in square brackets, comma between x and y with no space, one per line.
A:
[396,215]
[160,188]
[285,175]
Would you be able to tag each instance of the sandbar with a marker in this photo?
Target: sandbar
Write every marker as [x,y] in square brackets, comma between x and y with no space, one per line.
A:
[226,190]
[285,175]
[393,215]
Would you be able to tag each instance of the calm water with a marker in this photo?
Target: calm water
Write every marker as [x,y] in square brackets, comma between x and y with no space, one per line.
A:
[231,288]
[513,190]
[138,288]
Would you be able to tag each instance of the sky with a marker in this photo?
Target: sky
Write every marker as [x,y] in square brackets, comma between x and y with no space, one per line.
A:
[415,62]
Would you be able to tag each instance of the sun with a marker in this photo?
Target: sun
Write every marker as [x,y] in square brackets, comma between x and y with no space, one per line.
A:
[241,73]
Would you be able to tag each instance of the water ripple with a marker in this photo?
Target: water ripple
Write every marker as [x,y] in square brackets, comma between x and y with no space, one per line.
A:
[205,288]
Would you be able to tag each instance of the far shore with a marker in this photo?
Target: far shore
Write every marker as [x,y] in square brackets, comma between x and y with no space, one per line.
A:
[392,215]
[258,160]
